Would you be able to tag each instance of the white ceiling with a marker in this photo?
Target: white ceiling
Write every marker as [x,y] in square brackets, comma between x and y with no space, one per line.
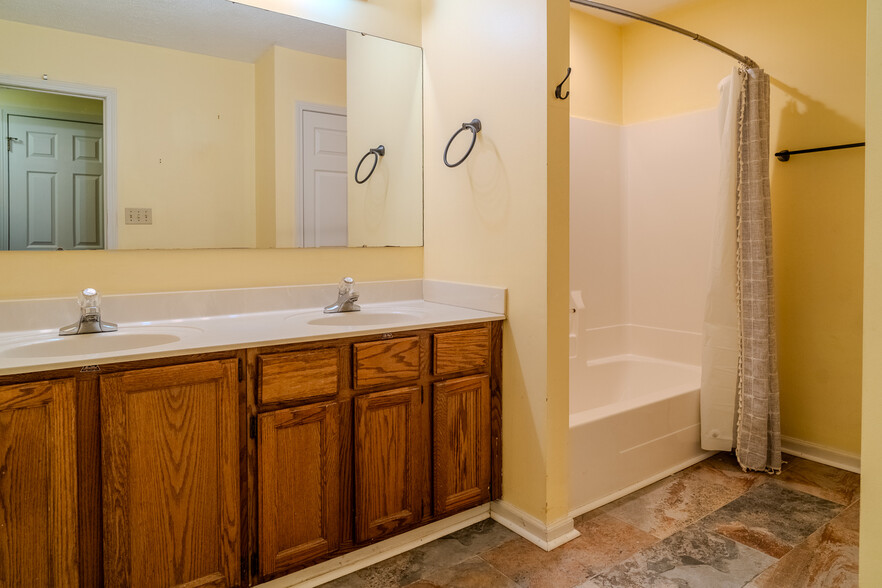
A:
[211,27]
[644,7]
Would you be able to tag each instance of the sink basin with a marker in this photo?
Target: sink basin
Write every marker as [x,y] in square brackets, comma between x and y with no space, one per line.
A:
[364,318]
[88,344]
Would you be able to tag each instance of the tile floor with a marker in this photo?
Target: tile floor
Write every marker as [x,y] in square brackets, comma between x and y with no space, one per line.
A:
[708,526]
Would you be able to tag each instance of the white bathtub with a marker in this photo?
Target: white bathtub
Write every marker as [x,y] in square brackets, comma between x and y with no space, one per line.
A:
[633,420]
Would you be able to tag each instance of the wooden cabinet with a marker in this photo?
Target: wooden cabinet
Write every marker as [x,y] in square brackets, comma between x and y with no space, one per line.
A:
[461,443]
[38,484]
[386,363]
[357,440]
[298,375]
[461,351]
[387,456]
[298,485]
[170,459]
[236,467]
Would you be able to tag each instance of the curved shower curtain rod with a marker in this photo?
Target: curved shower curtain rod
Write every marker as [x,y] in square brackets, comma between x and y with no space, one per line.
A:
[747,61]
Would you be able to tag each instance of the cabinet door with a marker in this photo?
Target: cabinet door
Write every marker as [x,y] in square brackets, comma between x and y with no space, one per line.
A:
[461,443]
[38,484]
[387,450]
[298,470]
[170,461]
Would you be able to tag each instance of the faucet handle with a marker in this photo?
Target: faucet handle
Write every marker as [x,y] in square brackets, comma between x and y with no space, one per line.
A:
[89,298]
[346,285]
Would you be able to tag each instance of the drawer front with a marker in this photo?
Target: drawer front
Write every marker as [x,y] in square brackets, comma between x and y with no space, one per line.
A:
[299,375]
[461,351]
[385,362]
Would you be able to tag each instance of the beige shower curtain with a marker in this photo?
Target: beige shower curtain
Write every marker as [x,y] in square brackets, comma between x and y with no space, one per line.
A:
[739,362]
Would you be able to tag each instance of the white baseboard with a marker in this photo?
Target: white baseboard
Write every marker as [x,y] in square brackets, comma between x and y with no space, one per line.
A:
[532,529]
[580,510]
[367,556]
[837,458]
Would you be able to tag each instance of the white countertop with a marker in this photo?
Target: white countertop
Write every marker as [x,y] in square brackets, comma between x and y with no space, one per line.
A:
[34,350]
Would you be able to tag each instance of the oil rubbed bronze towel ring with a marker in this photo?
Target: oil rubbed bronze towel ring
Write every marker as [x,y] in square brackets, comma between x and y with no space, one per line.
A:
[475,128]
[379,152]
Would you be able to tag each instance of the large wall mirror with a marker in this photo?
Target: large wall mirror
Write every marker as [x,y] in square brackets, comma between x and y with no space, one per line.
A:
[204,124]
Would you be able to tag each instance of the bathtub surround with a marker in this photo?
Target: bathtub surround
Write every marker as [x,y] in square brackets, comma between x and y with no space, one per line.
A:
[641,226]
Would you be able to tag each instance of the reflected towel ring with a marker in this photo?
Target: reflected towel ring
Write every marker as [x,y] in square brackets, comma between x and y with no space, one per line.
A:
[379,152]
[475,128]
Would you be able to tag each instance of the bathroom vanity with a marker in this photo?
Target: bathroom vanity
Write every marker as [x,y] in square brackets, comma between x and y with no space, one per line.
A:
[231,467]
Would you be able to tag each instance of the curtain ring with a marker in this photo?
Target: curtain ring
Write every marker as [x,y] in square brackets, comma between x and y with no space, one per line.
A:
[377,153]
[475,128]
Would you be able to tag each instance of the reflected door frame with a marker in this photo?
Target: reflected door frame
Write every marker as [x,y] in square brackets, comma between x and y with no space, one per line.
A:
[108,96]
[300,108]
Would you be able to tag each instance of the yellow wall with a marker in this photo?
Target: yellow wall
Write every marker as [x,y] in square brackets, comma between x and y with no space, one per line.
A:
[185,131]
[596,58]
[871,456]
[817,200]
[385,90]
[558,271]
[49,274]
[265,148]
[486,221]
[326,85]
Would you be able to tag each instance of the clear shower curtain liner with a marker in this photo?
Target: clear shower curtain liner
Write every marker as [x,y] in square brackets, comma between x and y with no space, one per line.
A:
[739,388]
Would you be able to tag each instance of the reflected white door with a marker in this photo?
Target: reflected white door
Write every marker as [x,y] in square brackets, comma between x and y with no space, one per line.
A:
[56,193]
[324,179]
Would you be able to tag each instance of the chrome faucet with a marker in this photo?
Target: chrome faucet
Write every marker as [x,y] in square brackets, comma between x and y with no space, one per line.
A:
[90,316]
[346,297]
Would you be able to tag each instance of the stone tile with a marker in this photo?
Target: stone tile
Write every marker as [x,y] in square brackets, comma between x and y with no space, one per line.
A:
[689,558]
[604,542]
[725,461]
[472,573]
[406,568]
[679,500]
[483,536]
[821,480]
[771,518]
[606,508]
[723,468]
[827,559]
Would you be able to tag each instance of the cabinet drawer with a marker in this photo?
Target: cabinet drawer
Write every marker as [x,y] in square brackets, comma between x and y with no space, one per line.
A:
[385,362]
[298,375]
[460,351]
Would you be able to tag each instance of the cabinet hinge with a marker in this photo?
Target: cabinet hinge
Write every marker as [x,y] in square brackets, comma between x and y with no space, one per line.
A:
[241,370]
[421,394]
[252,427]
[245,577]
[254,564]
